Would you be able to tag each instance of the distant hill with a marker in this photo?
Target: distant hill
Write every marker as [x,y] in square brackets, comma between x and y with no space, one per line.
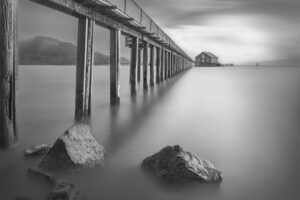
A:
[48,51]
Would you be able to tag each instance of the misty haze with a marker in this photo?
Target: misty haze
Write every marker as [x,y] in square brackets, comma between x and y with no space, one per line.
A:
[149,99]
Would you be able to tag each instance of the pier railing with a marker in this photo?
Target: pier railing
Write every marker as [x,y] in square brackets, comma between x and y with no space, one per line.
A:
[126,17]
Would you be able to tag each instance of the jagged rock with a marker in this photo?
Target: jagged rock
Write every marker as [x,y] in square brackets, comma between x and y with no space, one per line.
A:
[64,191]
[173,164]
[76,148]
[36,150]
[61,190]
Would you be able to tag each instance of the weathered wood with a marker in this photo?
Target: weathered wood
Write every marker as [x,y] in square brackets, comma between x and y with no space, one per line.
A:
[139,63]
[175,68]
[162,66]
[171,64]
[78,9]
[114,66]
[90,64]
[152,66]
[84,67]
[134,64]
[158,62]
[177,64]
[8,73]
[145,65]
[166,64]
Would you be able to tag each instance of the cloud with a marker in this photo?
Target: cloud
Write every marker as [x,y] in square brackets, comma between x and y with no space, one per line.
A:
[276,20]
[232,44]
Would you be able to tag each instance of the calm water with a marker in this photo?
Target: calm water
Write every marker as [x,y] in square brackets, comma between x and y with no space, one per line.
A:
[245,119]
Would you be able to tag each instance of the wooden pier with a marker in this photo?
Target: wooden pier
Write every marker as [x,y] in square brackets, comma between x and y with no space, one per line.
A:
[121,17]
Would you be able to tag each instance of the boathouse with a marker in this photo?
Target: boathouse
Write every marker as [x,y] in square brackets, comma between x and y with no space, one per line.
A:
[207,59]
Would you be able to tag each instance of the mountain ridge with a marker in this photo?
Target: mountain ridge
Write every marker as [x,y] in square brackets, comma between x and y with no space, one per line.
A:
[42,50]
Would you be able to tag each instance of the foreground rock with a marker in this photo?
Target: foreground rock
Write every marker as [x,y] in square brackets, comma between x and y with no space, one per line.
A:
[61,190]
[76,148]
[41,149]
[173,164]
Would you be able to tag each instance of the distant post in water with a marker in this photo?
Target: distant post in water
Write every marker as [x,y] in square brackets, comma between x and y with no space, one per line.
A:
[8,72]
[114,66]
[152,65]
[134,64]
[84,68]
[145,65]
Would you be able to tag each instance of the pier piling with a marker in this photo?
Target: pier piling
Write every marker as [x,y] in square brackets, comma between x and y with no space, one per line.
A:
[152,65]
[134,64]
[8,72]
[145,65]
[158,62]
[114,66]
[84,68]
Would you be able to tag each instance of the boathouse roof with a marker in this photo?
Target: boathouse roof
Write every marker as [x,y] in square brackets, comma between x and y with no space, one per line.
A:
[209,54]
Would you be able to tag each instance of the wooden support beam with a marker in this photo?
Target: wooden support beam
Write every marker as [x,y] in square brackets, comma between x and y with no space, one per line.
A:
[166,64]
[174,65]
[162,66]
[171,65]
[134,64]
[177,64]
[158,62]
[139,63]
[84,67]
[114,66]
[77,9]
[145,65]
[8,72]
[152,65]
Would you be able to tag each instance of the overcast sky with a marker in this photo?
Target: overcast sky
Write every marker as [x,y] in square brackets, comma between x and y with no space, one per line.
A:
[236,30]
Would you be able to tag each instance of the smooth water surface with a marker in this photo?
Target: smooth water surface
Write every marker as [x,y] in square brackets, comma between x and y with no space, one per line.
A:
[244,119]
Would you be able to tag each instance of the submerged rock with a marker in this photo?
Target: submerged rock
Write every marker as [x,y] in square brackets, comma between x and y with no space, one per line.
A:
[37,150]
[61,189]
[76,148]
[64,191]
[51,180]
[173,164]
